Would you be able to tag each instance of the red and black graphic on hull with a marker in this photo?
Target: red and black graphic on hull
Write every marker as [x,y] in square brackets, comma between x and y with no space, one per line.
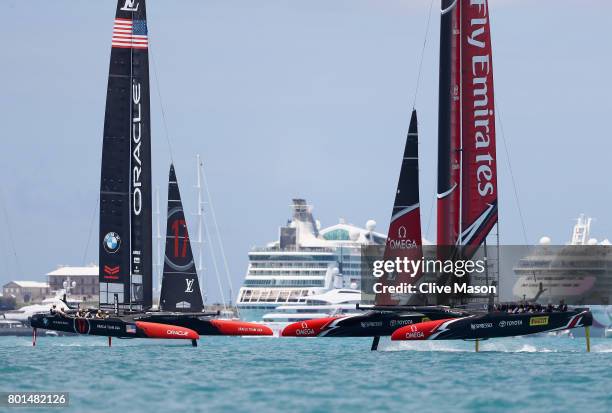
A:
[81,326]
[310,328]
[495,324]
[375,323]
[112,327]
[157,330]
[208,326]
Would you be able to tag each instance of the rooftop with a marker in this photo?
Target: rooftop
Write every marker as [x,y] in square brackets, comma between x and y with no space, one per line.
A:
[68,271]
[29,284]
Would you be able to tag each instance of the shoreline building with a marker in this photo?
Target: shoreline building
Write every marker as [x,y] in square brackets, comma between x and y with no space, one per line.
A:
[26,291]
[86,283]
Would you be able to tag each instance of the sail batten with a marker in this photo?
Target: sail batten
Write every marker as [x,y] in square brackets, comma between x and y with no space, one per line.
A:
[180,289]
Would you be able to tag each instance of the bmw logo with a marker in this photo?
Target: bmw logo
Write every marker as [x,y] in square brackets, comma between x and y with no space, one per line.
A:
[112,242]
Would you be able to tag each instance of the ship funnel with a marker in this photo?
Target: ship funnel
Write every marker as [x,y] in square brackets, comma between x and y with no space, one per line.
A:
[302,212]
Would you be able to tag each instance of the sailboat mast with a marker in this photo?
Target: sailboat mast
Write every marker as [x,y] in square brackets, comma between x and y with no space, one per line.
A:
[200,217]
[158,238]
[449,127]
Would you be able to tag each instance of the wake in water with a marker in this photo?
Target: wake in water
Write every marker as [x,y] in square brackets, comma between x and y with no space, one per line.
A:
[503,345]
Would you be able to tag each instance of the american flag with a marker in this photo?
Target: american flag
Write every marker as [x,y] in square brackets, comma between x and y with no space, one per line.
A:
[129,33]
[130,328]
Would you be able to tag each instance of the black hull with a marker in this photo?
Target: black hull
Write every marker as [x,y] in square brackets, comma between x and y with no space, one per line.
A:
[127,326]
[201,324]
[110,327]
[207,325]
[495,324]
[375,323]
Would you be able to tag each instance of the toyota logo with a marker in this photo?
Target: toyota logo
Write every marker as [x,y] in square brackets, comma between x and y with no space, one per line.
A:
[502,323]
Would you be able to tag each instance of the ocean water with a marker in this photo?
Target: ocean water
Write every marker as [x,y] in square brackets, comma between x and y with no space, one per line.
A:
[234,374]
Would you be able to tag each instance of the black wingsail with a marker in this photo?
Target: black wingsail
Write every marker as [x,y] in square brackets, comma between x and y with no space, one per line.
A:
[180,287]
[125,188]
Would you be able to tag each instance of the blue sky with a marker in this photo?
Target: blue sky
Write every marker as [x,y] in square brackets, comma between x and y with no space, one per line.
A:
[294,99]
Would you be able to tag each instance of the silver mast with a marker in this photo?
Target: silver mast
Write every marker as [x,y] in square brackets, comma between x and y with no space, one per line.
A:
[200,218]
[158,261]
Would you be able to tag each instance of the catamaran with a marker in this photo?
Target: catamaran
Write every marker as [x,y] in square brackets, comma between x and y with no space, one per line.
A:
[404,240]
[466,209]
[125,251]
[181,300]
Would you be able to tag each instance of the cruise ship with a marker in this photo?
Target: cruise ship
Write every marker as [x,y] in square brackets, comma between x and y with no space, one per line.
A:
[579,273]
[309,269]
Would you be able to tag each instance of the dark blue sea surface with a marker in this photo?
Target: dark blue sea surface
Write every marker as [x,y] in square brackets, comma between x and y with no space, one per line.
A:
[233,374]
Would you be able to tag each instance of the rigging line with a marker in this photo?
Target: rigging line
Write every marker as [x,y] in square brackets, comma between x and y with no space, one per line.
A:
[10,232]
[217,232]
[514,185]
[161,102]
[418,82]
[433,201]
[216,267]
[91,225]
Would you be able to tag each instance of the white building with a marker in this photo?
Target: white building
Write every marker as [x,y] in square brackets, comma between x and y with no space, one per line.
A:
[26,291]
[85,279]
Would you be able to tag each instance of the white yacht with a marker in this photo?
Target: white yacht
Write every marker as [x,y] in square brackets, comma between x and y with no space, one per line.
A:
[332,302]
[307,267]
[23,314]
